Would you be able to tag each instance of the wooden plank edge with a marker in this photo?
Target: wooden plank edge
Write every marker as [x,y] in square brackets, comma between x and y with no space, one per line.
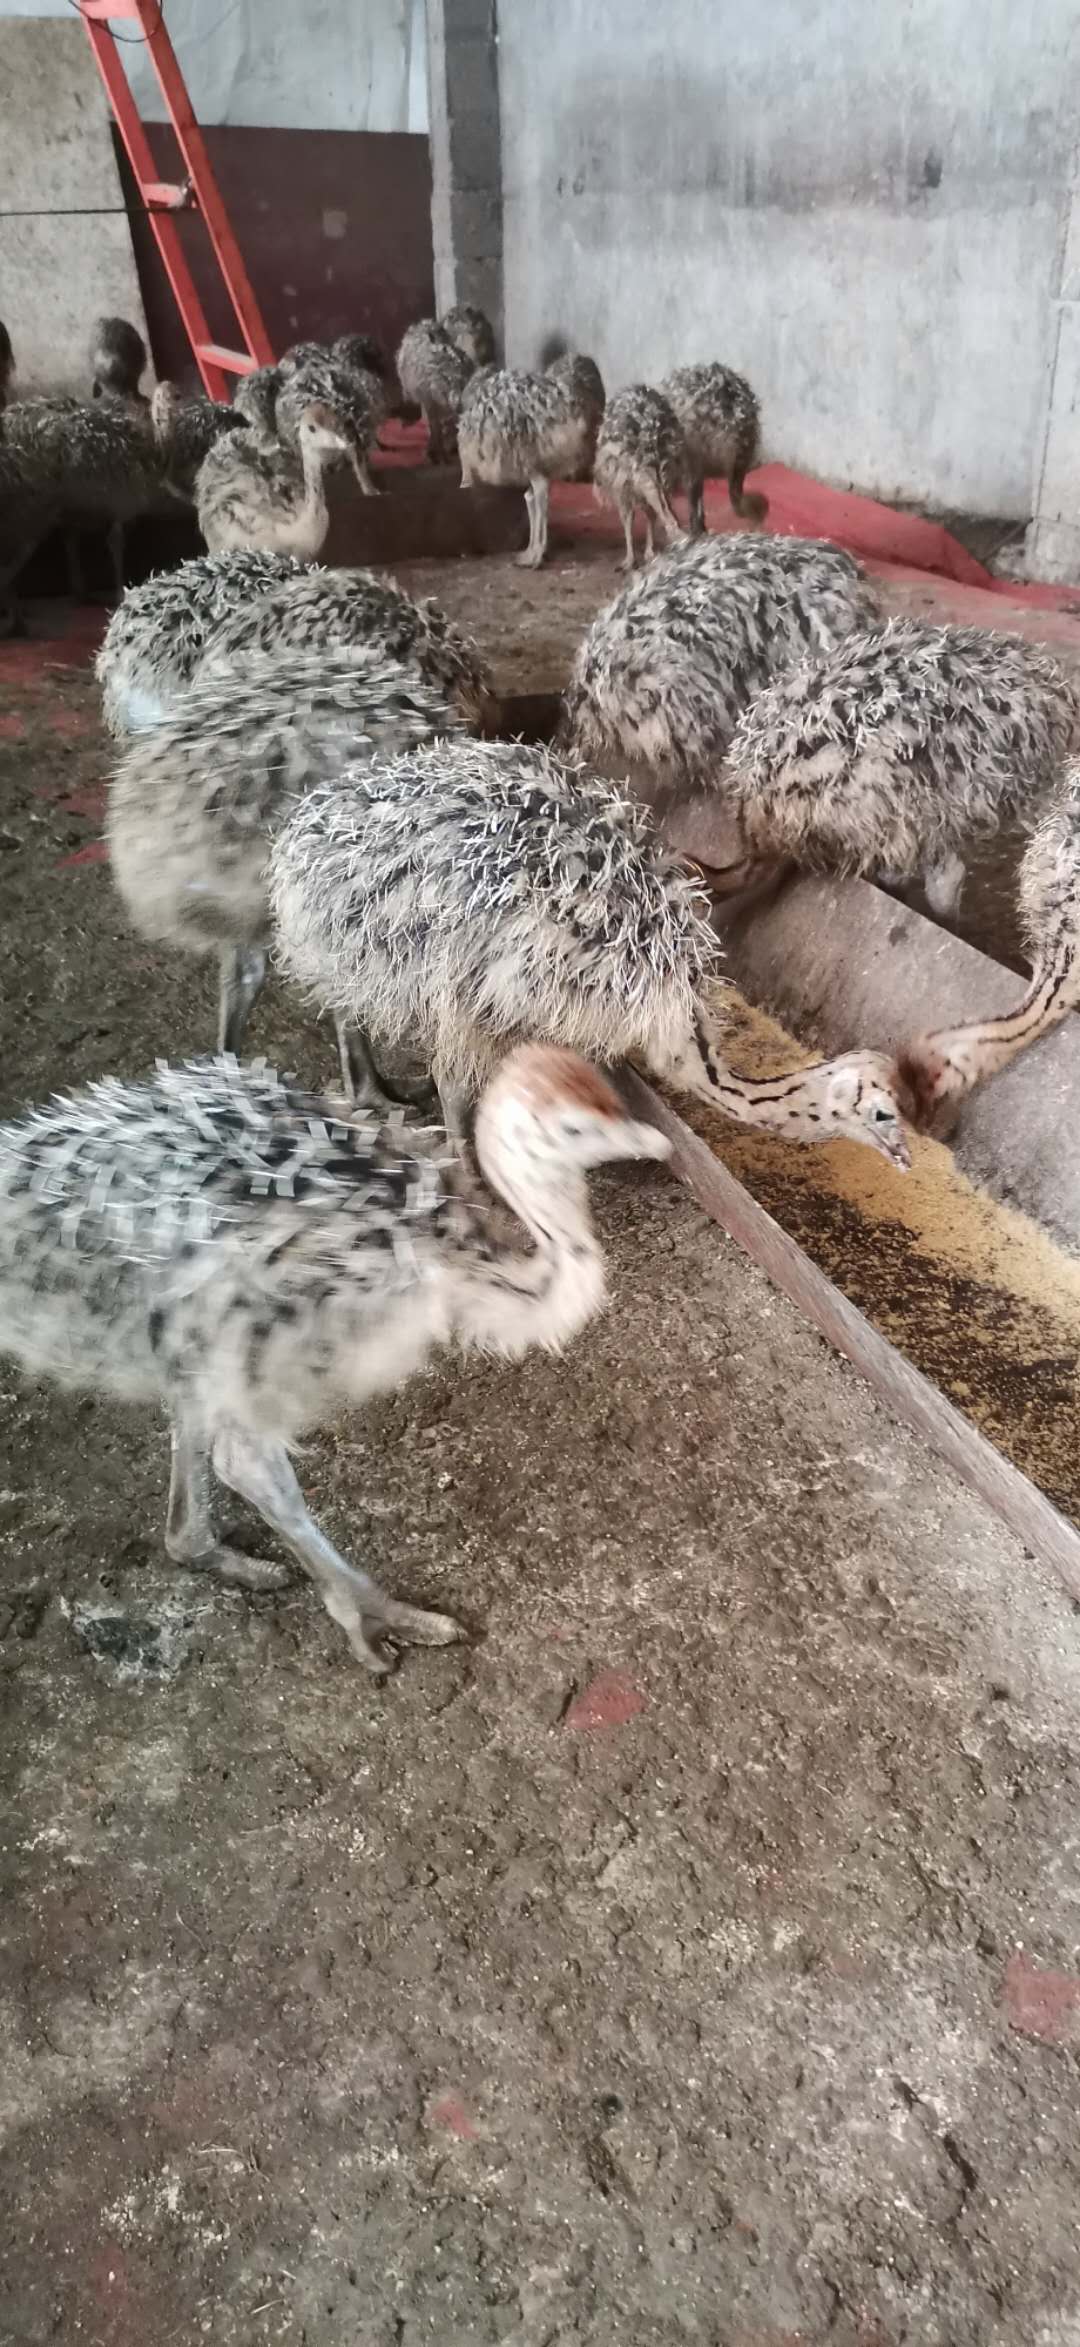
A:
[908,1394]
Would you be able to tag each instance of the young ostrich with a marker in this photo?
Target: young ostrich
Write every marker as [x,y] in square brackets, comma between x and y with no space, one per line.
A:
[117,360]
[195,802]
[641,460]
[366,357]
[271,499]
[433,373]
[342,610]
[185,431]
[355,399]
[472,332]
[466,894]
[895,752]
[721,423]
[523,431]
[255,401]
[157,637]
[80,463]
[257,1261]
[942,1068]
[581,378]
[664,674]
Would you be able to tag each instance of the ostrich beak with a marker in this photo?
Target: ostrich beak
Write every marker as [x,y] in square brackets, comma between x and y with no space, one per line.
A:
[892,1142]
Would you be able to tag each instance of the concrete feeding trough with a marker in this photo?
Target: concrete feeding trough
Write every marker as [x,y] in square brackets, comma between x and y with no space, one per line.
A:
[420,511]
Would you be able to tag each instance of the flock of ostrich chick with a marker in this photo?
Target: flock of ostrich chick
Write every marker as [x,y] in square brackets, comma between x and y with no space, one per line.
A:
[309,766]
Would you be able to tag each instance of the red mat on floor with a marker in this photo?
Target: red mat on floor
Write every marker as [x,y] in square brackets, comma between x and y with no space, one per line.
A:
[802,508]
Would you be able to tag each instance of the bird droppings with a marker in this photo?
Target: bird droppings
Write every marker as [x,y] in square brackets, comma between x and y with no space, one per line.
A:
[135,1645]
[723,1992]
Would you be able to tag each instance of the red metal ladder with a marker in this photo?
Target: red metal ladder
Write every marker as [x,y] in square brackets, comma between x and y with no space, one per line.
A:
[163,201]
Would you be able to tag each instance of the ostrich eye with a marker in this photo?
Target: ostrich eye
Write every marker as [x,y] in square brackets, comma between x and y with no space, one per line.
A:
[883,1116]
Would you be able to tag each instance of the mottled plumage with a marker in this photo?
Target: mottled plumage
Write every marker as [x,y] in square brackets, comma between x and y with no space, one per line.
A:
[92,463]
[721,425]
[339,609]
[156,639]
[354,398]
[941,1068]
[463,895]
[186,430]
[249,495]
[117,359]
[665,672]
[473,333]
[96,458]
[898,750]
[195,801]
[433,373]
[256,1261]
[255,399]
[523,431]
[581,377]
[641,460]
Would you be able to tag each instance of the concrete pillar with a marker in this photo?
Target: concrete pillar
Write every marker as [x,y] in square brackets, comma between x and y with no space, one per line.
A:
[1052,545]
[466,154]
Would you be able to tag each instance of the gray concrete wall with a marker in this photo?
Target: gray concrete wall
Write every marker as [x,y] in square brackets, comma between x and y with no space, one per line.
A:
[283,65]
[466,168]
[65,246]
[862,206]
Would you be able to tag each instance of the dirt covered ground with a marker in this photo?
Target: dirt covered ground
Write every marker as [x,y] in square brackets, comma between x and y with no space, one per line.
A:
[694,1957]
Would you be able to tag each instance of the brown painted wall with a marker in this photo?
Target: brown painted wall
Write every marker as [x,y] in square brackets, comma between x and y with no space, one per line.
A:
[334,227]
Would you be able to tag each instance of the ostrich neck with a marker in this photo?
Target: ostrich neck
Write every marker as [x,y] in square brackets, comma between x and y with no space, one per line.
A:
[974,1052]
[789,1104]
[314,506]
[517,1301]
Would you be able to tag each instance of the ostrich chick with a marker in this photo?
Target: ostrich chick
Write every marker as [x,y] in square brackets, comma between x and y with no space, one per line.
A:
[117,360]
[582,379]
[343,610]
[257,1262]
[80,463]
[355,399]
[158,635]
[255,400]
[665,672]
[185,430]
[471,330]
[523,431]
[251,496]
[896,752]
[433,373]
[195,802]
[942,1068]
[641,460]
[467,894]
[721,423]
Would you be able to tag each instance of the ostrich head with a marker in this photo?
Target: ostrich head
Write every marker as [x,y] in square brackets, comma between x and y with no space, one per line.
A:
[863,1097]
[547,1115]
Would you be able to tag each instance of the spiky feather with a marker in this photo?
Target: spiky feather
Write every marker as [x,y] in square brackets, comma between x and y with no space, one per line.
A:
[467,893]
[156,638]
[899,748]
[665,672]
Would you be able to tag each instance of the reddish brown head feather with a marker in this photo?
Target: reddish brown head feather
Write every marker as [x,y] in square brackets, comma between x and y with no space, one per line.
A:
[921,1076]
[546,1075]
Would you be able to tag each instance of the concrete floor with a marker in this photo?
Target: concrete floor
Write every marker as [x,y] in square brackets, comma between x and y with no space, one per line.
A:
[695,1957]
